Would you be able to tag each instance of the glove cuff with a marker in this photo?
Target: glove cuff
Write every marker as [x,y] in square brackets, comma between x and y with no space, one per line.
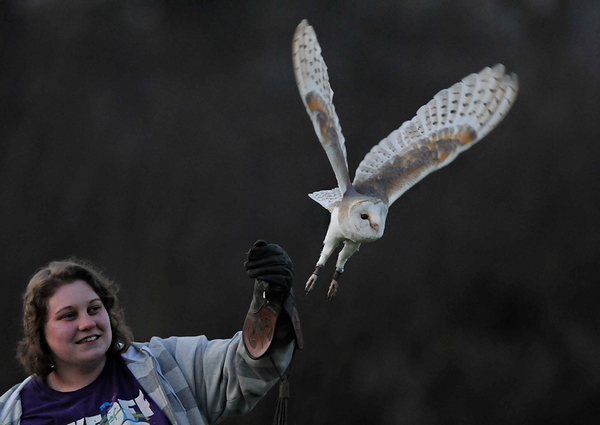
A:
[263,317]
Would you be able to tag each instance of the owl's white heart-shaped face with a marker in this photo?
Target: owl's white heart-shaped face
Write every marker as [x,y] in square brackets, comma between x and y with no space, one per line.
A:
[367,220]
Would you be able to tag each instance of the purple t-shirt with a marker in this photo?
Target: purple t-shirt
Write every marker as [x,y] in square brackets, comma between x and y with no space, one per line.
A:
[114,398]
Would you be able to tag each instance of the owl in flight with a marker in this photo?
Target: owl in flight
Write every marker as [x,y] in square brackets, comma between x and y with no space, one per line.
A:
[453,121]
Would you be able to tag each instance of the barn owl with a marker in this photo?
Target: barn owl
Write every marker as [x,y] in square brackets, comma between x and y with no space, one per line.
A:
[453,121]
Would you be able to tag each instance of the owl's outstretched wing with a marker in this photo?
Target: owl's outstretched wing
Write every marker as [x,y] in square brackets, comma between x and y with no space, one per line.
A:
[313,84]
[453,121]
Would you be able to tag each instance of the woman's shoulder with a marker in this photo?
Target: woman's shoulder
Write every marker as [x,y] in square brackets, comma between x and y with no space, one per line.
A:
[15,389]
[10,398]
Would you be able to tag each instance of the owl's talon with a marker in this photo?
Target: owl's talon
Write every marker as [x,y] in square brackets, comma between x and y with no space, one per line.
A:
[312,279]
[332,289]
[311,283]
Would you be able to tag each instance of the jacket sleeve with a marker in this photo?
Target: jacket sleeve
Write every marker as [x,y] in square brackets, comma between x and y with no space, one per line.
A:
[217,377]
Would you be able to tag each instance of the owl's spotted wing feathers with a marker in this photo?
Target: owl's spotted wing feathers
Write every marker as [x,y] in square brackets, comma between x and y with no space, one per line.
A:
[453,121]
[426,155]
[482,100]
[316,93]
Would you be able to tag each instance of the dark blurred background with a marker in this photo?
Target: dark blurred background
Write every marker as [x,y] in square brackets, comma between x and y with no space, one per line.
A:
[160,139]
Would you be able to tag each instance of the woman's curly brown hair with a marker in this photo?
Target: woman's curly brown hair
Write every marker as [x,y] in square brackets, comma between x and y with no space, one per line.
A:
[33,351]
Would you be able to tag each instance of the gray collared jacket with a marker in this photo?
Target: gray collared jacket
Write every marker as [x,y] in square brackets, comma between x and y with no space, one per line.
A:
[194,381]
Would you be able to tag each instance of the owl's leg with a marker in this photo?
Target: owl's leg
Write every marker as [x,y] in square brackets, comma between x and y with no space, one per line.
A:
[328,247]
[349,249]
[333,286]
[312,279]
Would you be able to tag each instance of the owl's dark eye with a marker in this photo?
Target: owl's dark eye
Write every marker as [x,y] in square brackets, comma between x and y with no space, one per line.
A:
[364,216]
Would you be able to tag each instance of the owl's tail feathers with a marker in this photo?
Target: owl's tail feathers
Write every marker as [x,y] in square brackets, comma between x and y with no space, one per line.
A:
[328,199]
[479,101]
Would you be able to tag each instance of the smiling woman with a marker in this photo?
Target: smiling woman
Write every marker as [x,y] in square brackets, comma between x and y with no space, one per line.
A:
[84,366]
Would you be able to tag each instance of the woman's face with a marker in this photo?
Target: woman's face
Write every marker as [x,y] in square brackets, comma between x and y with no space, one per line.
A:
[78,327]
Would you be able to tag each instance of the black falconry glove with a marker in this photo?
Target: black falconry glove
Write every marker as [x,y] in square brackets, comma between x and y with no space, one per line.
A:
[272,315]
